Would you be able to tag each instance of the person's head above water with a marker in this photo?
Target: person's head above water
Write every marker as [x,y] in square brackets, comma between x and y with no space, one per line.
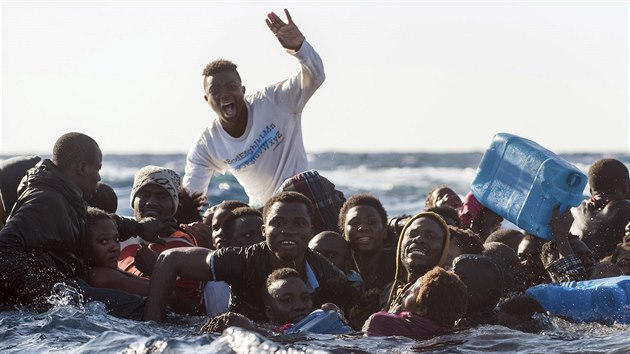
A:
[79,158]
[332,246]
[423,245]
[438,295]
[287,298]
[443,196]
[225,94]
[242,228]
[510,237]
[483,279]
[287,226]
[462,242]
[363,222]
[105,198]
[507,260]
[529,254]
[610,177]
[103,247]
[216,216]
[155,192]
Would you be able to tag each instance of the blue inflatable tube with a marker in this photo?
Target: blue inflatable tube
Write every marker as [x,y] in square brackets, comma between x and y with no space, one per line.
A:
[601,300]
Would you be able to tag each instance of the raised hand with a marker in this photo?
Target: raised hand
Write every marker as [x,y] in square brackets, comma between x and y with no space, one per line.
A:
[287,33]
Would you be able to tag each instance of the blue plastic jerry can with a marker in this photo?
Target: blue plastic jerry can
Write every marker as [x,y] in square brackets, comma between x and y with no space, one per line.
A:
[523,182]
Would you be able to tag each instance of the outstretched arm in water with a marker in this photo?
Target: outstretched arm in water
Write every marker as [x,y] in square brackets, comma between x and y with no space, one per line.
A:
[187,262]
[288,34]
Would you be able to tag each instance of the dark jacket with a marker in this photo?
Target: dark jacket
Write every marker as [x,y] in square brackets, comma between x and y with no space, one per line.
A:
[246,271]
[11,173]
[48,220]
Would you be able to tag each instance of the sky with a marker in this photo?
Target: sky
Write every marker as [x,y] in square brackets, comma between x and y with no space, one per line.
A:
[409,76]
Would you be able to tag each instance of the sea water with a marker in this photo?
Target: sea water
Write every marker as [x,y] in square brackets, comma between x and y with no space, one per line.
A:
[401,181]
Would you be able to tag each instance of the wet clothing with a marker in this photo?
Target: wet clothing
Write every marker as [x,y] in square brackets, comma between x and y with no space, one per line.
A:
[567,269]
[271,148]
[371,299]
[246,271]
[126,262]
[44,239]
[600,225]
[405,324]
[11,173]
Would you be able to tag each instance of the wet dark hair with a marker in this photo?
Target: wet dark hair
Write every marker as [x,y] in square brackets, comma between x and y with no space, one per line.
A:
[240,212]
[429,201]
[288,197]
[522,305]
[608,176]
[105,198]
[94,215]
[231,204]
[72,148]
[509,237]
[219,323]
[443,297]
[362,199]
[282,274]
[450,215]
[190,205]
[219,66]
[466,240]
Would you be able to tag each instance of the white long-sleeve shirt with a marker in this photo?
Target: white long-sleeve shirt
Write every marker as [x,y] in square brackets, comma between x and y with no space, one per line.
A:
[271,149]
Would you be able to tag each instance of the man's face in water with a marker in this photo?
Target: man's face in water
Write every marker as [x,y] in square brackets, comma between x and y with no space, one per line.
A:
[288,230]
[225,95]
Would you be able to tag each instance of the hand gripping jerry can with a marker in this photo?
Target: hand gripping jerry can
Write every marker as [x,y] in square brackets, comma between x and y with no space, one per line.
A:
[523,182]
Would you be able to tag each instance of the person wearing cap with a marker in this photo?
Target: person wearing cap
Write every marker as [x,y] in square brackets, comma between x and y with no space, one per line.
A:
[256,137]
[44,240]
[155,195]
[423,244]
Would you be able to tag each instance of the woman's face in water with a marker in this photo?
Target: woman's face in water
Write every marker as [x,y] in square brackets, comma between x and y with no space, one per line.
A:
[421,246]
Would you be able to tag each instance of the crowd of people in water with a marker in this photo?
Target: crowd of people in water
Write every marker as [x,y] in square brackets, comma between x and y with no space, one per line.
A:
[300,249]
[309,249]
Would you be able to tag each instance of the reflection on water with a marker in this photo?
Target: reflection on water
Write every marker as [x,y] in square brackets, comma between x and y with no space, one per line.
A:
[88,329]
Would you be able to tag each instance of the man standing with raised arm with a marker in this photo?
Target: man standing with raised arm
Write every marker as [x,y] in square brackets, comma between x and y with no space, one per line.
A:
[257,137]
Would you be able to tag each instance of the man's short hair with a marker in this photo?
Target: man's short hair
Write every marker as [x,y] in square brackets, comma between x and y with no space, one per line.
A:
[362,199]
[466,240]
[282,274]
[522,305]
[73,147]
[288,197]
[218,66]
[240,212]
[105,198]
[608,175]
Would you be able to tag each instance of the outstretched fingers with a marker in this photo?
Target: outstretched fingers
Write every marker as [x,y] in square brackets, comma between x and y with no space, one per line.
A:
[289,19]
